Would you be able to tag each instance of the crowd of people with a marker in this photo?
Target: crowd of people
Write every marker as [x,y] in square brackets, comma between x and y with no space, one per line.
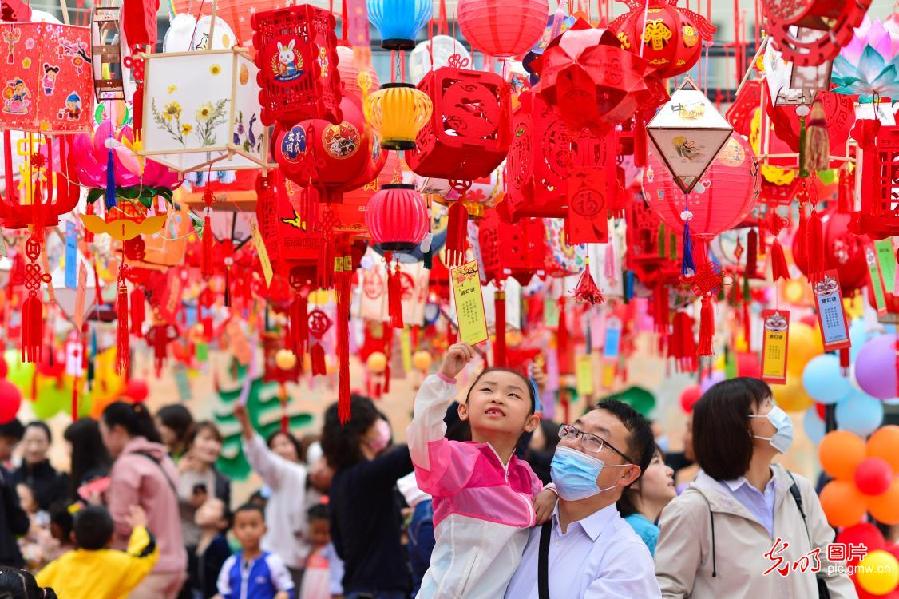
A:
[484,500]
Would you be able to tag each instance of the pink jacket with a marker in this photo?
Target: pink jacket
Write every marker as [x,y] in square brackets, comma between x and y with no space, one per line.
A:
[138,480]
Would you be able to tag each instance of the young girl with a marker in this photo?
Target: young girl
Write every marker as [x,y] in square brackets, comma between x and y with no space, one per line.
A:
[643,501]
[485,498]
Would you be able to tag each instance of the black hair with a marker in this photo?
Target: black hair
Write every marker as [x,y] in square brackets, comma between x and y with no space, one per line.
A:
[21,584]
[641,442]
[341,442]
[627,505]
[248,507]
[93,527]
[89,455]
[202,425]
[297,445]
[456,428]
[38,424]
[722,438]
[532,392]
[133,417]
[257,498]
[319,511]
[12,429]
[61,516]
[178,418]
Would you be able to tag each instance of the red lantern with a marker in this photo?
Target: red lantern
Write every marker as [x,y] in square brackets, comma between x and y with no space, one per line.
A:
[468,133]
[672,35]
[397,218]
[502,28]
[519,251]
[877,187]
[296,52]
[10,401]
[810,32]
[843,251]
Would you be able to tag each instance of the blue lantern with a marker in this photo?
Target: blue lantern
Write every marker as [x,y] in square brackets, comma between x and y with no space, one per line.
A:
[399,21]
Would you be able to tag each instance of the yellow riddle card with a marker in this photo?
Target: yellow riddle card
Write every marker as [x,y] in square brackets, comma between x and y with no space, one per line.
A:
[469,303]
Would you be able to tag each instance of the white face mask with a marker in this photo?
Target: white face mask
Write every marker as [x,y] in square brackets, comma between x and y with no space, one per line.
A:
[783,435]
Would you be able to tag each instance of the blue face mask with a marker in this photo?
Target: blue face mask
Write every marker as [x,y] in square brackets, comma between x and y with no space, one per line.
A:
[783,435]
[575,473]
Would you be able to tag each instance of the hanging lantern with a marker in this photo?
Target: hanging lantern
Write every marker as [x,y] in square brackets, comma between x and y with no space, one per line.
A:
[399,21]
[653,249]
[810,32]
[672,36]
[502,28]
[790,83]
[357,75]
[468,134]
[397,112]
[201,111]
[48,184]
[876,182]
[508,250]
[296,52]
[107,52]
[46,77]
[687,133]
[435,53]
[844,251]
[397,218]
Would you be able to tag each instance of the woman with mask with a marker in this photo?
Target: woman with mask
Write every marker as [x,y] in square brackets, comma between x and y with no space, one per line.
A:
[745,518]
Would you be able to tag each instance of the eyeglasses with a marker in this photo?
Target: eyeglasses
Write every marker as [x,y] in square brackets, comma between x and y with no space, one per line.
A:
[589,441]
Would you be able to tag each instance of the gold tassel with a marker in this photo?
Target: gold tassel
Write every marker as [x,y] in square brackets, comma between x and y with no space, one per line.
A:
[817,143]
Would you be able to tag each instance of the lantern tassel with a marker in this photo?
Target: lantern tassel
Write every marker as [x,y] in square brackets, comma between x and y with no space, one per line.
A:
[688,266]
[75,398]
[499,346]
[317,359]
[343,284]
[32,329]
[844,194]
[110,180]
[817,141]
[752,253]
[456,234]
[706,327]
[640,139]
[207,246]
[395,297]
[138,311]
[815,244]
[299,326]
[779,268]
[122,332]
[587,290]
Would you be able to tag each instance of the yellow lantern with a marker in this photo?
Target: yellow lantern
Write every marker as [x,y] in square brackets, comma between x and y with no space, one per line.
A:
[285,359]
[376,362]
[421,360]
[397,112]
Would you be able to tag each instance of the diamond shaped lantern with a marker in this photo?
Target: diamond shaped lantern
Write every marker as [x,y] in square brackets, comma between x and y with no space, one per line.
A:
[687,133]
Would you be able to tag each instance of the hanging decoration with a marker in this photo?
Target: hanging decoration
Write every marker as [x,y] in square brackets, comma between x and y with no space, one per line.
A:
[106,37]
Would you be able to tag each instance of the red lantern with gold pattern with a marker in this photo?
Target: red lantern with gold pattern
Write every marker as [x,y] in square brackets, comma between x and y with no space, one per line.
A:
[512,250]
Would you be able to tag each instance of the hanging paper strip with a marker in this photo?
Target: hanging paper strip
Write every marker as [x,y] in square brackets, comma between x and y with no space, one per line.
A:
[774,345]
[831,318]
[875,278]
[612,346]
[263,256]
[886,255]
[584,375]
[588,215]
[71,256]
[469,303]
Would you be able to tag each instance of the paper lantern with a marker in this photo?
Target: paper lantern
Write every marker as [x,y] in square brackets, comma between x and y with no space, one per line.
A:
[399,21]
[296,52]
[843,251]
[397,112]
[502,28]
[397,218]
[468,134]
[107,52]
[49,188]
[440,49]
[687,133]
[790,84]
[671,36]
[877,185]
[358,77]
[809,32]
[46,81]
[519,251]
[201,110]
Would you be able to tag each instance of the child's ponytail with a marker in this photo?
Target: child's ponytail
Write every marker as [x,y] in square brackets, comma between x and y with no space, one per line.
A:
[135,418]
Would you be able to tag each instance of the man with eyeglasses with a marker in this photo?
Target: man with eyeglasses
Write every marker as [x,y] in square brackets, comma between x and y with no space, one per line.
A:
[586,550]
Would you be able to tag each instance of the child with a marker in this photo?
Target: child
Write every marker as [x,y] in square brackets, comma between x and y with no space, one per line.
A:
[324,570]
[252,573]
[93,570]
[485,498]
[210,554]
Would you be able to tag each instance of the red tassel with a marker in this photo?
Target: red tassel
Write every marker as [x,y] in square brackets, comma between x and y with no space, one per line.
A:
[706,327]
[282,397]
[499,346]
[586,290]
[207,246]
[815,244]
[456,234]
[32,329]
[640,139]
[844,194]
[227,298]
[682,344]
[746,326]
[299,324]
[752,253]
[138,311]
[122,331]
[563,351]
[343,285]
[395,297]
[317,359]
[75,399]
[845,361]
[778,261]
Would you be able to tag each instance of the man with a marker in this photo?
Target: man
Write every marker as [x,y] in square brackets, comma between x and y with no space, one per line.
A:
[593,553]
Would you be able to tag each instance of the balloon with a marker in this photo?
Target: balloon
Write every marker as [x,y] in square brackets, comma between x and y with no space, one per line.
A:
[843,504]
[709,381]
[689,397]
[824,381]
[885,507]
[804,344]
[859,335]
[840,453]
[422,360]
[792,396]
[875,367]
[863,533]
[873,476]
[860,413]
[878,572]
[10,401]
[813,425]
[884,443]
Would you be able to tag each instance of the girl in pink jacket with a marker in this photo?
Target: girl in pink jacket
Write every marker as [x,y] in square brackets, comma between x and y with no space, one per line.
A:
[485,498]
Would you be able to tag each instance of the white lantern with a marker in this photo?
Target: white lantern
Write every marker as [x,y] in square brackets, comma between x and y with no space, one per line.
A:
[186,33]
[442,47]
[201,110]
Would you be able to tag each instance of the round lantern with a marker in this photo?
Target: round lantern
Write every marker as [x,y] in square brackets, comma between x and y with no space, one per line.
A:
[354,74]
[285,359]
[421,360]
[432,54]
[376,362]
[729,190]
[843,251]
[397,112]
[10,401]
[137,390]
[397,218]
[672,36]
[399,21]
[502,28]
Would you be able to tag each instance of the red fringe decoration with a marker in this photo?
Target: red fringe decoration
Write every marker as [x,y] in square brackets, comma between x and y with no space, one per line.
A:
[122,331]
[587,291]
[778,261]
[815,244]
[682,345]
[640,139]
[706,327]
[456,235]
[207,247]
[563,351]
[317,359]
[845,361]
[227,298]
[661,314]
[844,194]
[343,285]
[746,326]
[499,347]
[32,329]
[138,311]
[752,253]
[395,297]
[299,324]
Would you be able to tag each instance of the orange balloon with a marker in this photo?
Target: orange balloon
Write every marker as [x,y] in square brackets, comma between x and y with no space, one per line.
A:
[843,504]
[885,507]
[840,453]
[884,443]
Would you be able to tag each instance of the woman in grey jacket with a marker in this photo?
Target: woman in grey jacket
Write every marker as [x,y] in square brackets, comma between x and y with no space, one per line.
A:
[746,528]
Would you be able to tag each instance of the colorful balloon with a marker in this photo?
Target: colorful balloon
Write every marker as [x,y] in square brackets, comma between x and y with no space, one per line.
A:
[863,533]
[884,443]
[10,401]
[689,397]
[840,453]
[860,413]
[875,367]
[792,396]
[885,507]
[824,381]
[873,476]
[878,572]
[843,504]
